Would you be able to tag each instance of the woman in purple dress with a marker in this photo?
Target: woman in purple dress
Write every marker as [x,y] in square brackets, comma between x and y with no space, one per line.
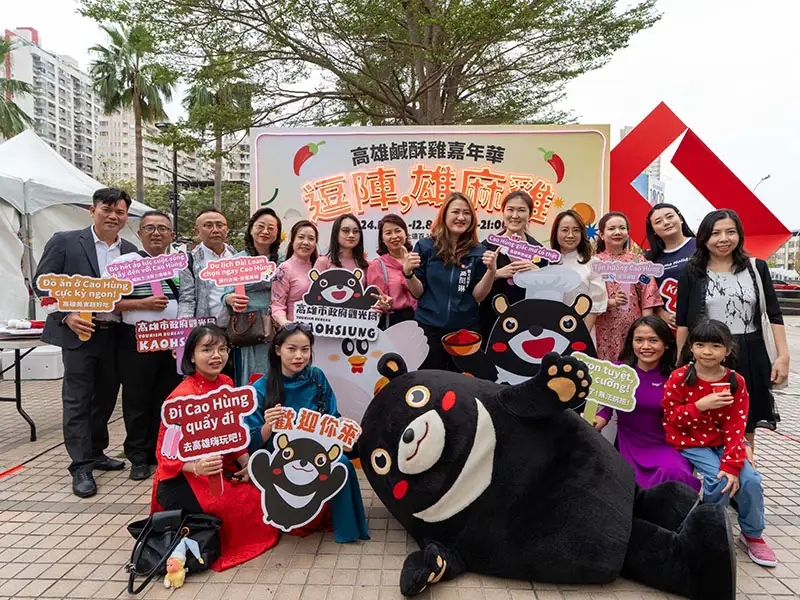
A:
[651,350]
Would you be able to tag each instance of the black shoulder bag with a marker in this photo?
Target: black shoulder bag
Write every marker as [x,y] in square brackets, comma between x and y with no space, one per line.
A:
[159,535]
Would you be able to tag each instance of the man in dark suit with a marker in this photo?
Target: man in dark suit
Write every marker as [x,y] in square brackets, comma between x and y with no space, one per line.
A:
[91,383]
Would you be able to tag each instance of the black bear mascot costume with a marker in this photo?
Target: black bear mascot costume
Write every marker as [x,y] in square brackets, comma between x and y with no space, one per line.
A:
[503,481]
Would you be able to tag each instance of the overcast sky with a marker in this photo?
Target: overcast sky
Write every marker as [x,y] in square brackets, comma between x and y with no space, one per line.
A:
[728,69]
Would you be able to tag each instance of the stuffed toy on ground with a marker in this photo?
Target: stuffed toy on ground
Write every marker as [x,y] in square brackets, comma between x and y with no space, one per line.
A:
[508,481]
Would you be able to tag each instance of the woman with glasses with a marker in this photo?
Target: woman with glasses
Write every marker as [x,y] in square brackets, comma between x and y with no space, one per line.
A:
[346,249]
[184,486]
[262,238]
[293,382]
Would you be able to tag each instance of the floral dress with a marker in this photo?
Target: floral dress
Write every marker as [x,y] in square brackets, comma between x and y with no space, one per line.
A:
[613,325]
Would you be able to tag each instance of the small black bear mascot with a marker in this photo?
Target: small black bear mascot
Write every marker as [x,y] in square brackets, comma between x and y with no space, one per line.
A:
[339,287]
[296,481]
[503,481]
[524,333]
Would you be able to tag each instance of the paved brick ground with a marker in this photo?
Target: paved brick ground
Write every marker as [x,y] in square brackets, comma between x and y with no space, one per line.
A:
[54,546]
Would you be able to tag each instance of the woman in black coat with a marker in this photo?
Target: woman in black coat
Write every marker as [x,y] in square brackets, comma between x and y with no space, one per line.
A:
[722,282]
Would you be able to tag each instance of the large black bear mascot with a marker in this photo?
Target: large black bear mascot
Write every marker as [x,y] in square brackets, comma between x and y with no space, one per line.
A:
[502,480]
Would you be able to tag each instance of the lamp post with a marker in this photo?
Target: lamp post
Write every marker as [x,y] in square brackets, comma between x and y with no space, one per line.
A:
[164,127]
[760,181]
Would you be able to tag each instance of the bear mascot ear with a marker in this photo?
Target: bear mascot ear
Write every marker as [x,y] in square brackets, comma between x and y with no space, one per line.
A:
[392,365]
[283,441]
[358,274]
[500,304]
[582,305]
[313,274]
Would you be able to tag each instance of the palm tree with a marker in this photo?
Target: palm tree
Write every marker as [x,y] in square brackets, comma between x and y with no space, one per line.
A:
[13,119]
[220,101]
[126,75]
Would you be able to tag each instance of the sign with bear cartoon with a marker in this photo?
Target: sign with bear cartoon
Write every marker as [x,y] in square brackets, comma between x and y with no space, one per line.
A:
[526,331]
[304,470]
[337,305]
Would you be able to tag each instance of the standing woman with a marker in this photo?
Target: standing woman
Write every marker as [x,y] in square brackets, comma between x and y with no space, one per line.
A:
[386,272]
[721,283]
[517,208]
[262,238]
[671,243]
[568,236]
[626,302]
[450,273]
[291,279]
[346,249]
[185,485]
[651,350]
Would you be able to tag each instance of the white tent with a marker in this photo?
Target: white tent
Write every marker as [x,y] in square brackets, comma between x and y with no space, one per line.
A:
[40,193]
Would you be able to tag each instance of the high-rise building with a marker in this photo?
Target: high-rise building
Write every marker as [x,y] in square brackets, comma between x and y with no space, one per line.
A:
[63,106]
[236,165]
[786,257]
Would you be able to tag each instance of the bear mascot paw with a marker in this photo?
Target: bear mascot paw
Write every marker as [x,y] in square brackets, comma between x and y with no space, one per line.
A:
[508,481]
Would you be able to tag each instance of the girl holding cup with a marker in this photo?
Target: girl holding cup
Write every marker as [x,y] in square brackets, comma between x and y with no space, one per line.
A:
[626,302]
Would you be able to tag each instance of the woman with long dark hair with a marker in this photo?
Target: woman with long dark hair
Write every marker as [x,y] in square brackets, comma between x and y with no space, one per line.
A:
[262,238]
[517,208]
[568,236]
[672,243]
[650,349]
[626,302]
[346,249]
[292,382]
[184,486]
[721,282]
[450,273]
[291,279]
[386,272]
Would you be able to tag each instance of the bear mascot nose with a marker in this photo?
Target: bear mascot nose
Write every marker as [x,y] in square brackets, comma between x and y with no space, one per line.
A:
[303,463]
[408,435]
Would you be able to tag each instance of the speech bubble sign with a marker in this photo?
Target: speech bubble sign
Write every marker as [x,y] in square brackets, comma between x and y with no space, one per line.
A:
[208,425]
[626,272]
[612,385]
[79,293]
[306,459]
[237,271]
[519,249]
[148,269]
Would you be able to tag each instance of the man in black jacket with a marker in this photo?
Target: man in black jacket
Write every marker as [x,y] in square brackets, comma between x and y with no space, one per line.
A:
[91,383]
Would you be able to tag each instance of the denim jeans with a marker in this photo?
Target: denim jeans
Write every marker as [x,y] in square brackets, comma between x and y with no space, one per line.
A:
[750,496]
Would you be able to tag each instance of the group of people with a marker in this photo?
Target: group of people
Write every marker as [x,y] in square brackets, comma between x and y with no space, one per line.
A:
[699,337]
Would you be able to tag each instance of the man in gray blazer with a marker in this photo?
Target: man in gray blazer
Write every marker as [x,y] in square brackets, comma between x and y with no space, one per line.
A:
[91,384]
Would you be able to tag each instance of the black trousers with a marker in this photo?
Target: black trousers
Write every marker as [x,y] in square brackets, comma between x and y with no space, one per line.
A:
[147,379]
[89,394]
[177,494]
[438,358]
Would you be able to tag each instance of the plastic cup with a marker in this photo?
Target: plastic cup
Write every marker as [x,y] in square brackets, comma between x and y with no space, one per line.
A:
[721,388]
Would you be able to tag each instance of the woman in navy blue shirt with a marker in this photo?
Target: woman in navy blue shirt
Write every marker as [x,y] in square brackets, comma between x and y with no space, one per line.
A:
[450,273]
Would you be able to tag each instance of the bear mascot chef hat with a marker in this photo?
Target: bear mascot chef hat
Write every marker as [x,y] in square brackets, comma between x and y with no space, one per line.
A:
[506,481]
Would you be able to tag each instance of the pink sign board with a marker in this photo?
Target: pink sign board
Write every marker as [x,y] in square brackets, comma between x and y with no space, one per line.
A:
[519,249]
[626,272]
[238,271]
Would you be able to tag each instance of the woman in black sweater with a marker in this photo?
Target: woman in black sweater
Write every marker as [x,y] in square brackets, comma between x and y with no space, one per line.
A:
[722,282]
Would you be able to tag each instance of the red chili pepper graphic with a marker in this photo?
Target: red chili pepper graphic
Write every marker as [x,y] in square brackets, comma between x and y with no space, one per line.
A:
[555,161]
[304,154]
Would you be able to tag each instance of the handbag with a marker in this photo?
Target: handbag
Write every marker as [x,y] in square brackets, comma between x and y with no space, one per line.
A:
[249,329]
[766,326]
[159,535]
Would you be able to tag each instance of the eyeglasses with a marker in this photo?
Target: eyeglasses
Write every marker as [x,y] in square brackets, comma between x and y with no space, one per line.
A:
[293,326]
[269,229]
[160,229]
[214,225]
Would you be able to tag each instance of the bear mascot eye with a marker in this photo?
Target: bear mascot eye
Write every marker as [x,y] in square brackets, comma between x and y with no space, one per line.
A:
[320,460]
[510,325]
[418,396]
[348,347]
[323,283]
[381,461]
[287,453]
[568,324]
[351,282]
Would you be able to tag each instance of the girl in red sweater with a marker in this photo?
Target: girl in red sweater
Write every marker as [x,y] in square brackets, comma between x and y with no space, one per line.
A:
[705,413]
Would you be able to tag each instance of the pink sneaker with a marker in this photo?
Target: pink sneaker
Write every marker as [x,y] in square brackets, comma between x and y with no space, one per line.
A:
[759,551]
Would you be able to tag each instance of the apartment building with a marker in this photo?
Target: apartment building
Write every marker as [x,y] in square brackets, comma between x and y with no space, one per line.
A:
[63,105]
